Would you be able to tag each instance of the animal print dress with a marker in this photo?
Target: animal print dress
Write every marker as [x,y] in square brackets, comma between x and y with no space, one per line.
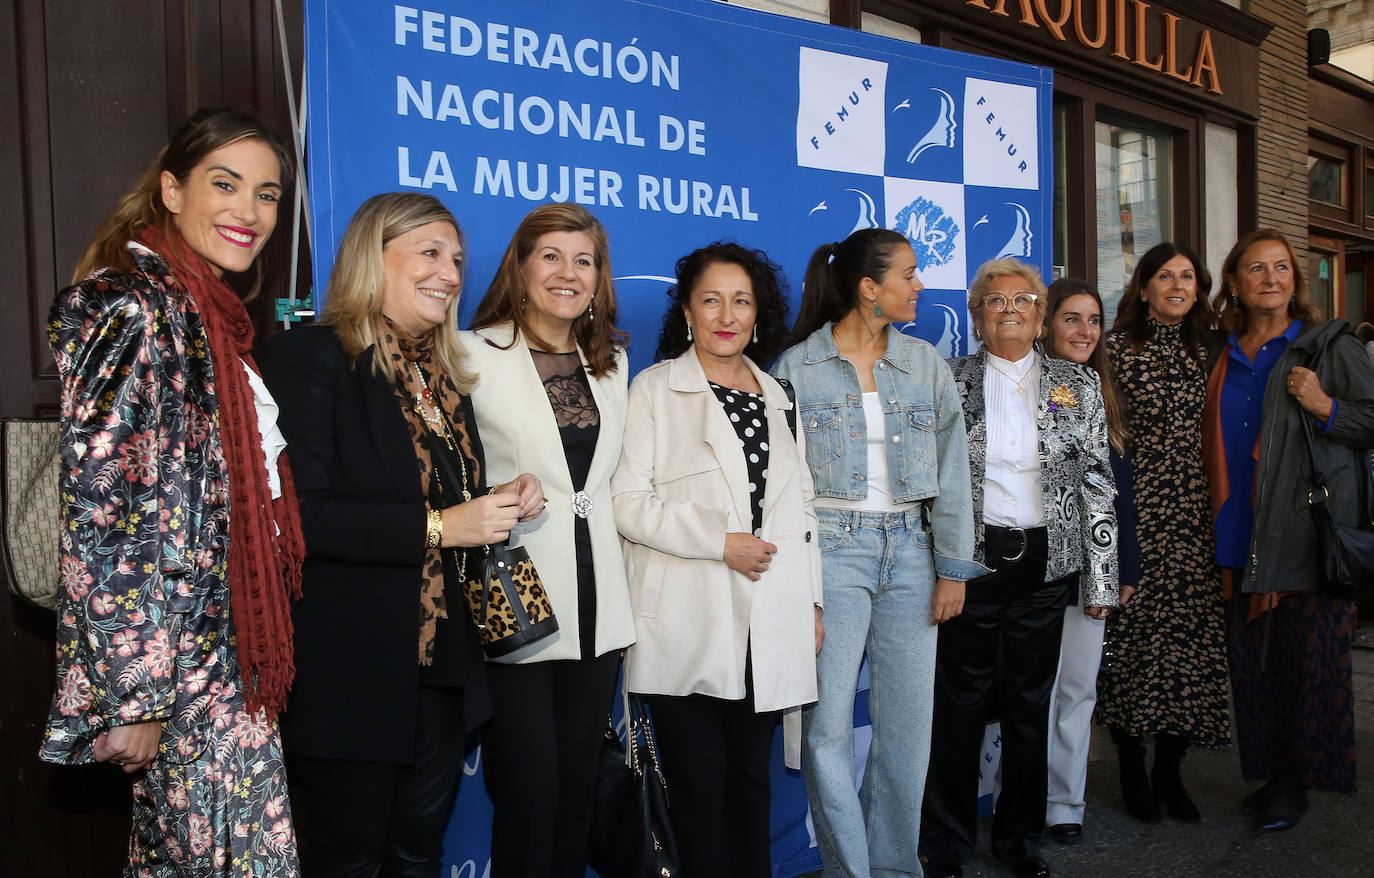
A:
[1164,664]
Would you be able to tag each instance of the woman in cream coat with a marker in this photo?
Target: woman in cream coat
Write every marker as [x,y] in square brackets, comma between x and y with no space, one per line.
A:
[550,399]
[713,498]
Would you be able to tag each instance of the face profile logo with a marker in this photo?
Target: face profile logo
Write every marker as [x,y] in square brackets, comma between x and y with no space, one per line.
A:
[941,130]
[1019,242]
[950,342]
[867,212]
[930,230]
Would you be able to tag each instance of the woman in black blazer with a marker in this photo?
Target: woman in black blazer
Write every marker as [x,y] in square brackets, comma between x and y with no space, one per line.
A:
[390,677]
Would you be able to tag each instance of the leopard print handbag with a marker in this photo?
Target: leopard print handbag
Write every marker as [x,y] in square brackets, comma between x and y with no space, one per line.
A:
[508,603]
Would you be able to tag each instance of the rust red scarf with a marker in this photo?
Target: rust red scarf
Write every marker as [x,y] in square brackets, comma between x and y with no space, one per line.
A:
[266,546]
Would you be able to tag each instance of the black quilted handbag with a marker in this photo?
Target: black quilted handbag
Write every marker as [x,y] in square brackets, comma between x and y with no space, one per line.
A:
[631,836]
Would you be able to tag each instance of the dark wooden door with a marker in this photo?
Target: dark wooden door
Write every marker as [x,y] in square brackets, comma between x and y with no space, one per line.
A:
[90,93]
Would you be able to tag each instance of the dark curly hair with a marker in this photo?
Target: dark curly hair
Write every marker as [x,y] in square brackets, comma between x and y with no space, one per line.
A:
[770,297]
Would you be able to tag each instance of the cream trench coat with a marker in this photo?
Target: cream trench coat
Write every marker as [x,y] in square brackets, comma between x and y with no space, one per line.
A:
[680,488]
[519,434]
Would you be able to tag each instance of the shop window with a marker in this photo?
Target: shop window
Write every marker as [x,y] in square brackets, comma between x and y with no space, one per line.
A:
[1061,193]
[1134,202]
[1369,193]
[1326,180]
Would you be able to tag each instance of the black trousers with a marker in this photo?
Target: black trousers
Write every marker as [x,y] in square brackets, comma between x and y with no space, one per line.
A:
[714,754]
[540,756]
[365,819]
[996,659]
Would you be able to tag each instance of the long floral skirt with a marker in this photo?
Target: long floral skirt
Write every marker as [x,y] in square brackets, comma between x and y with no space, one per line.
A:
[225,813]
[1295,700]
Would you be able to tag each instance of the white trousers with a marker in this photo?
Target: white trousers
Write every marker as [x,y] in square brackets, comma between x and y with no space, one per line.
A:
[1071,716]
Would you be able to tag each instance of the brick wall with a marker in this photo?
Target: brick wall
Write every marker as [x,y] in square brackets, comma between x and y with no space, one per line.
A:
[1282,131]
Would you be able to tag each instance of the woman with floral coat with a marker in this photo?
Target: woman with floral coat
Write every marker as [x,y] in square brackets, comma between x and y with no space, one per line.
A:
[180,540]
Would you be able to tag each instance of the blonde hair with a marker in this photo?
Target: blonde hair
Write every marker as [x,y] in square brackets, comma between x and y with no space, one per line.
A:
[355,295]
[1007,267]
[141,205]
[597,336]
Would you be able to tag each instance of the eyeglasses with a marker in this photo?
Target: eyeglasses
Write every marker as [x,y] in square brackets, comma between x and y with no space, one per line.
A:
[997,303]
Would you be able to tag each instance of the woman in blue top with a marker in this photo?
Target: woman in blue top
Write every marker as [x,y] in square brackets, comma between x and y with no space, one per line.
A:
[1289,642]
[886,446]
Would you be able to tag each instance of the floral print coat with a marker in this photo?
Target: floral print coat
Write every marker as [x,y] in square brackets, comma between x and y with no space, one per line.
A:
[143,629]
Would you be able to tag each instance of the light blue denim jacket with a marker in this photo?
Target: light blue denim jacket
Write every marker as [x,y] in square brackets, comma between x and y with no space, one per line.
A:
[927,450]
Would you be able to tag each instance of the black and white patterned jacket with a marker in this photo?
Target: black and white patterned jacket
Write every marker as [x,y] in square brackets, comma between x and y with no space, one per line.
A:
[1075,474]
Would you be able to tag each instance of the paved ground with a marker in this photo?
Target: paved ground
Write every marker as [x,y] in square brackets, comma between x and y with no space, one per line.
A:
[1335,838]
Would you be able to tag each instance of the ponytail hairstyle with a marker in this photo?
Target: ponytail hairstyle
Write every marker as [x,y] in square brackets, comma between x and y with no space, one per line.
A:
[830,289]
[141,205]
[1118,431]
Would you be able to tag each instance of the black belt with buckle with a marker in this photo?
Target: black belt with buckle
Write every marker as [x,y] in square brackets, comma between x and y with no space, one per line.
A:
[1008,543]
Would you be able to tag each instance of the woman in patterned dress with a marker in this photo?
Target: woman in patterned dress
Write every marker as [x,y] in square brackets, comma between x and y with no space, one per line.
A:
[550,399]
[173,631]
[394,495]
[713,497]
[1164,671]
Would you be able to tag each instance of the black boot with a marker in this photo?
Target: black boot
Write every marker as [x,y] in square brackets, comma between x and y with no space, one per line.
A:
[1135,783]
[1168,783]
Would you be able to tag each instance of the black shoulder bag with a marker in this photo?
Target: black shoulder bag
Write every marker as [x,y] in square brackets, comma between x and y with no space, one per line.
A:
[1347,551]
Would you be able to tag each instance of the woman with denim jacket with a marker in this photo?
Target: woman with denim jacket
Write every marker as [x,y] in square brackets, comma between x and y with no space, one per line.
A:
[885,443]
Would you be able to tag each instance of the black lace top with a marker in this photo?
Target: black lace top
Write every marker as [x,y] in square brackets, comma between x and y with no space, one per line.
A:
[579,425]
[746,413]
[574,408]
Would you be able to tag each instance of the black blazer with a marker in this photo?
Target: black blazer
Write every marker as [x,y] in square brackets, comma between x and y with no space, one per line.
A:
[363,513]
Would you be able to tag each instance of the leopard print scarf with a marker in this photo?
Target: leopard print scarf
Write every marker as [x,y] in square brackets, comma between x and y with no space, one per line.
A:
[410,358]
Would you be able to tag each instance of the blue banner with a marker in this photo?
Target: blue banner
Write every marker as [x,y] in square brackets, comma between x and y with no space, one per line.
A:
[678,122]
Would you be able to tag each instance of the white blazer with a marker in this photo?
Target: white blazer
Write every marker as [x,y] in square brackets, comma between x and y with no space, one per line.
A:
[681,486]
[520,434]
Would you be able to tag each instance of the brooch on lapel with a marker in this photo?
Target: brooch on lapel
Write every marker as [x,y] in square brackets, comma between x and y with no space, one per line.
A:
[1061,396]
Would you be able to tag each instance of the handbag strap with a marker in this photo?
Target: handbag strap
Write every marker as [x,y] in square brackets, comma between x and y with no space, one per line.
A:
[792,398]
[1317,474]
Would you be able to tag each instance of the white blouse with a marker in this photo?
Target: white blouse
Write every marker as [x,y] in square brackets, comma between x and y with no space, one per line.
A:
[273,442]
[1011,489]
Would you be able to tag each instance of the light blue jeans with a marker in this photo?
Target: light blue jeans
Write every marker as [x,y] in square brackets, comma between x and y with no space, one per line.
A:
[879,579]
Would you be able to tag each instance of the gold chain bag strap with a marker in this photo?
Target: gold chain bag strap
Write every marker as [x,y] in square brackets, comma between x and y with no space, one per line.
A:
[505,598]
[30,467]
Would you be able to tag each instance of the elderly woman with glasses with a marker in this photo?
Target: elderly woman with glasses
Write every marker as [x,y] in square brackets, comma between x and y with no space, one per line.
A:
[1044,522]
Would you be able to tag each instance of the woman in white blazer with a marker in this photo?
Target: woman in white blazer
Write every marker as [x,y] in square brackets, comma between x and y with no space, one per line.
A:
[550,399]
[713,498]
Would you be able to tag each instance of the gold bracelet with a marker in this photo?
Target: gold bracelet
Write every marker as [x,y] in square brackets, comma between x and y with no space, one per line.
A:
[434,529]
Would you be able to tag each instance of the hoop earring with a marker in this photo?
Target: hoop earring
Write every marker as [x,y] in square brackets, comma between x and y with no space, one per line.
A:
[689,332]
[756,333]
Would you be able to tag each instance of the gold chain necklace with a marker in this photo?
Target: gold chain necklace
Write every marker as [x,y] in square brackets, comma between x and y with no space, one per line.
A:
[1020,383]
[432,415]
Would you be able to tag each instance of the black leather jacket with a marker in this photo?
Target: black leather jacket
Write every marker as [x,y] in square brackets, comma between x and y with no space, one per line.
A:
[1283,549]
